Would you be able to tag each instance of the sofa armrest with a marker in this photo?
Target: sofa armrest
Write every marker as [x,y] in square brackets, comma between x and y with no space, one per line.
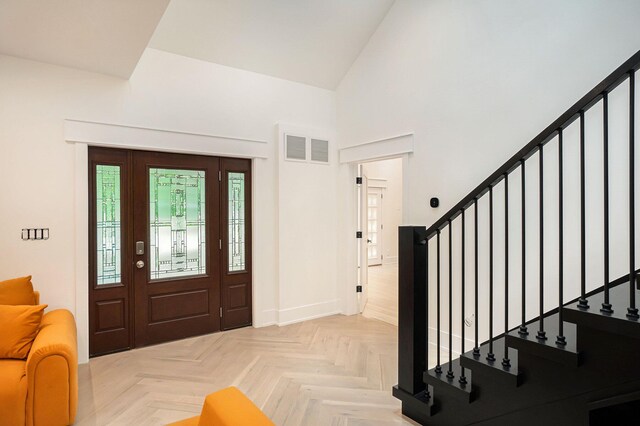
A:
[52,371]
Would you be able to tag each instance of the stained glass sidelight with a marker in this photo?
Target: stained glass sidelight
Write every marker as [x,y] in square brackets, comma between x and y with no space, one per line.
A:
[177,223]
[237,259]
[108,241]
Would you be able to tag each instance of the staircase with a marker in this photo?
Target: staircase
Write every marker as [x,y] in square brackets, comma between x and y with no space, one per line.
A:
[508,313]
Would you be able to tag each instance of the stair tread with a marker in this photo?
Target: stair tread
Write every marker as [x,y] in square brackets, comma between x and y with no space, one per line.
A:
[441,383]
[426,406]
[480,363]
[567,354]
[616,322]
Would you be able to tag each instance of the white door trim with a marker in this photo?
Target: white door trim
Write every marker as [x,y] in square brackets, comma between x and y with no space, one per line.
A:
[381,149]
[400,146]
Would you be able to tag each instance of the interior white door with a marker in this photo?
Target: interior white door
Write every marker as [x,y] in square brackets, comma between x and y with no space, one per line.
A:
[362,247]
[374,226]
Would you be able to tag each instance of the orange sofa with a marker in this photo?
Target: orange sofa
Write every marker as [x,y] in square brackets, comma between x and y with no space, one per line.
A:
[43,388]
[228,407]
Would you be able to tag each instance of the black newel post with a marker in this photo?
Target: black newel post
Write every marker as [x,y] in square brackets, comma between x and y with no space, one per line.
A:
[412,320]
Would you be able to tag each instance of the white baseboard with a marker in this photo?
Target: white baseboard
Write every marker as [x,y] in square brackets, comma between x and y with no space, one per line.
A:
[307,312]
[265,318]
[456,341]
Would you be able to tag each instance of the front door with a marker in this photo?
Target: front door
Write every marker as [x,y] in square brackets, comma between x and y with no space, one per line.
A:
[170,239]
[176,216]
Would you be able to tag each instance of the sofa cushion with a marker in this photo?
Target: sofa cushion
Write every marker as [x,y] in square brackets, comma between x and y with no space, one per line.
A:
[13,391]
[17,291]
[19,326]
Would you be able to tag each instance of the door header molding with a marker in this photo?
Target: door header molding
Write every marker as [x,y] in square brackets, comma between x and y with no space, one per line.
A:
[380,149]
[143,138]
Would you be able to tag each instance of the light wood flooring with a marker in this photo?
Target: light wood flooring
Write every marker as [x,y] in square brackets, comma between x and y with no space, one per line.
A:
[337,370]
[382,301]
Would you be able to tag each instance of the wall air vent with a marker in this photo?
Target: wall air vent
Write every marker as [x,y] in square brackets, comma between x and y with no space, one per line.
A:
[319,150]
[295,148]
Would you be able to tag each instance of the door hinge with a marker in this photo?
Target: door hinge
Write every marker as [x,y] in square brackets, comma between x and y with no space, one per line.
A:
[220,311]
[381,195]
[358,180]
[220,244]
[219,175]
[358,289]
[358,234]
[381,226]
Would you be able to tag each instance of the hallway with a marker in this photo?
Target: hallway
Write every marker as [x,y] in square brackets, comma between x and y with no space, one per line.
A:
[382,303]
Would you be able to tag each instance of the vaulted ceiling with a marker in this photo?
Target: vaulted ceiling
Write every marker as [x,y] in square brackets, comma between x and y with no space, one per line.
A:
[105,36]
[308,41]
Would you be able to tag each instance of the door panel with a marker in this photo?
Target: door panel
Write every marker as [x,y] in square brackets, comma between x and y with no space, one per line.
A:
[236,243]
[363,261]
[109,275]
[176,218]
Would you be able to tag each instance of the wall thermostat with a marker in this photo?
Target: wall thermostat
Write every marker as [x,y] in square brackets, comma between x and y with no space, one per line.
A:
[434,202]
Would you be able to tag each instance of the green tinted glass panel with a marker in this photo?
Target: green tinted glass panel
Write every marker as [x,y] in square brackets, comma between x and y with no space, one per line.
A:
[237,256]
[108,243]
[177,246]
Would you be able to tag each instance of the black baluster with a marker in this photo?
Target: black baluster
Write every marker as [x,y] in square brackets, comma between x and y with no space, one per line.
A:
[476,348]
[427,394]
[490,356]
[582,301]
[560,339]
[506,362]
[463,379]
[523,327]
[606,306]
[438,369]
[542,335]
[632,311]
[450,371]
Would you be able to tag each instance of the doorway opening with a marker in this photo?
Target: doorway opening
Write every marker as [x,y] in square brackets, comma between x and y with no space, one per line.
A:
[379,216]
[169,247]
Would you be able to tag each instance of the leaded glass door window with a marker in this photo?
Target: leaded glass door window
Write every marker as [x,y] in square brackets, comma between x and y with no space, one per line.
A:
[177,224]
[236,225]
[108,224]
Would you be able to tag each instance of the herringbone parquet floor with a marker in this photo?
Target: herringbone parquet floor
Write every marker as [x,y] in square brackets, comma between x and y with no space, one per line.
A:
[331,371]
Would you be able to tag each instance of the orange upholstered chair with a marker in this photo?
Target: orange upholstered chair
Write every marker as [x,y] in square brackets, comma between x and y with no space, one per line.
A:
[43,388]
[228,407]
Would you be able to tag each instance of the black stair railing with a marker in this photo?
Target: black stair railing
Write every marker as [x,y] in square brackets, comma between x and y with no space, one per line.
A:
[560,338]
[606,306]
[632,311]
[484,250]
[523,248]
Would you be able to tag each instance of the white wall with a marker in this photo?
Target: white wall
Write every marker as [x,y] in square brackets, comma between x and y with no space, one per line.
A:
[475,81]
[390,171]
[166,92]
[308,231]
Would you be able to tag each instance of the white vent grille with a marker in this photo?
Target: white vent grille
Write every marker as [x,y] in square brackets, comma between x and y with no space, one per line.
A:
[320,150]
[296,148]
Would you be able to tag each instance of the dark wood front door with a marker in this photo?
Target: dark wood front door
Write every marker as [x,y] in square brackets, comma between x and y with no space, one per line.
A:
[169,247]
